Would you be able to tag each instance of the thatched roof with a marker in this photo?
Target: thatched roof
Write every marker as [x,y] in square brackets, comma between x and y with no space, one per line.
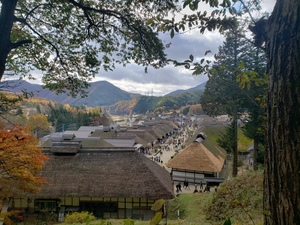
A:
[102,134]
[105,173]
[121,142]
[65,147]
[167,127]
[154,132]
[59,143]
[199,156]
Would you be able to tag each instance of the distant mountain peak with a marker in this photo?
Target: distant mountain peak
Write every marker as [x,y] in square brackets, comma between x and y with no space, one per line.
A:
[198,87]
[100,93]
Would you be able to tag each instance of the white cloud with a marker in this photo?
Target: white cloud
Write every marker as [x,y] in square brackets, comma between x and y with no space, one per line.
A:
[158,82]
[132,78]
[162,81]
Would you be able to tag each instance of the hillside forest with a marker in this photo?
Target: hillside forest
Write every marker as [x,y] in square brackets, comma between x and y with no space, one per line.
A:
[44,116]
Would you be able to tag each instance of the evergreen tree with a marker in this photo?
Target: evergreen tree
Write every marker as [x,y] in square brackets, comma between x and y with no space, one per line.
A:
[222,94]
[228,88]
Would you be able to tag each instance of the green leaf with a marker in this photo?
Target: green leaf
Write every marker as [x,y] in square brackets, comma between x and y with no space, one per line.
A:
[158,204]
[227,222]
[182,27]
[172,33]
[208,51]
[195,5]
[156,219]
[187,2]
[191,58]
[241,65]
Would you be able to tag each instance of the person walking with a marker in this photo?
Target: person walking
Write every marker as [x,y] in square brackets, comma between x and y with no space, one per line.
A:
[187,184]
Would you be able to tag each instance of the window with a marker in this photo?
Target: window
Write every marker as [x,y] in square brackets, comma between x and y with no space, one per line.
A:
[45,205]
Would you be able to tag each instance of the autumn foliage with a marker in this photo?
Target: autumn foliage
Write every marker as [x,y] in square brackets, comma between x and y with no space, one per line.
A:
[21,162]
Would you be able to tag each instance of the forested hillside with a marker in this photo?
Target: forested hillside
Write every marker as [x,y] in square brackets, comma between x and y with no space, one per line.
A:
[155,104]
[43,116]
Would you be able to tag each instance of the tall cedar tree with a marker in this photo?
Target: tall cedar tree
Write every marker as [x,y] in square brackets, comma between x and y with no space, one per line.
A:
[223,94]
[282,172]
[253,83]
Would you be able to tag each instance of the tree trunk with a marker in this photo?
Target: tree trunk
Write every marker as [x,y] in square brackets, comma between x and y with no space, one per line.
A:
[255,151]
[6,23]
[235,114]
[235,144]
[282,163]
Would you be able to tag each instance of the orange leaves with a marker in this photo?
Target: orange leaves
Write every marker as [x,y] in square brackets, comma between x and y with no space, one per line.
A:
[21,161]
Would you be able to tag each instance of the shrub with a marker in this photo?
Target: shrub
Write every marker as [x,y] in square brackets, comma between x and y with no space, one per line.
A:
[11,217]
[240,198]
[79,217]
[128,221]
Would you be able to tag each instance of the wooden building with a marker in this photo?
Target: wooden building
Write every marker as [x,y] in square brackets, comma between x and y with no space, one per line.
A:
[200,162]
[90,174]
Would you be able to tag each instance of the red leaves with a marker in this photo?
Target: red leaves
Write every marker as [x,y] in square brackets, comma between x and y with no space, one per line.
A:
[21,161]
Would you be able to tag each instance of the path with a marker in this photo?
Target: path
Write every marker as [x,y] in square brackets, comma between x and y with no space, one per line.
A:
[168,154]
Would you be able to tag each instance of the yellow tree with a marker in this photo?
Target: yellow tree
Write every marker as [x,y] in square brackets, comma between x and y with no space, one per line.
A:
[38,125]
[196,109]
[21,162]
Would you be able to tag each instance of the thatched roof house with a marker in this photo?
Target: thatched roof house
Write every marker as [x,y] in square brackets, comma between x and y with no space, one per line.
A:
[200,161]
[105,173]
[91,174]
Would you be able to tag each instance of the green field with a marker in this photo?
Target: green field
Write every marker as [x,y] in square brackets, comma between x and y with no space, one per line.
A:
[214,132]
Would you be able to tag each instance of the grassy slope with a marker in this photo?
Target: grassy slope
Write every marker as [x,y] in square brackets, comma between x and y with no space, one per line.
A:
[214,132]
[239,198]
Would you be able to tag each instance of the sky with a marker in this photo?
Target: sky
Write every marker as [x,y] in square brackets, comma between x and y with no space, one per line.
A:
[158,82]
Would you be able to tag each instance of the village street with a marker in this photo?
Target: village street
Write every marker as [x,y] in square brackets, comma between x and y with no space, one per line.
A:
[170,150]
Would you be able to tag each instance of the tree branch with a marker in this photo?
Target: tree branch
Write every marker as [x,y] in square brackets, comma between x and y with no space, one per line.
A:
[20,43]
[18,19]
[102,11]
[52,45]
[110,13]
[31,11]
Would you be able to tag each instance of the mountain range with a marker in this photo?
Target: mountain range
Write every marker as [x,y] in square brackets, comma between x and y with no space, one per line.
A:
[100,93]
